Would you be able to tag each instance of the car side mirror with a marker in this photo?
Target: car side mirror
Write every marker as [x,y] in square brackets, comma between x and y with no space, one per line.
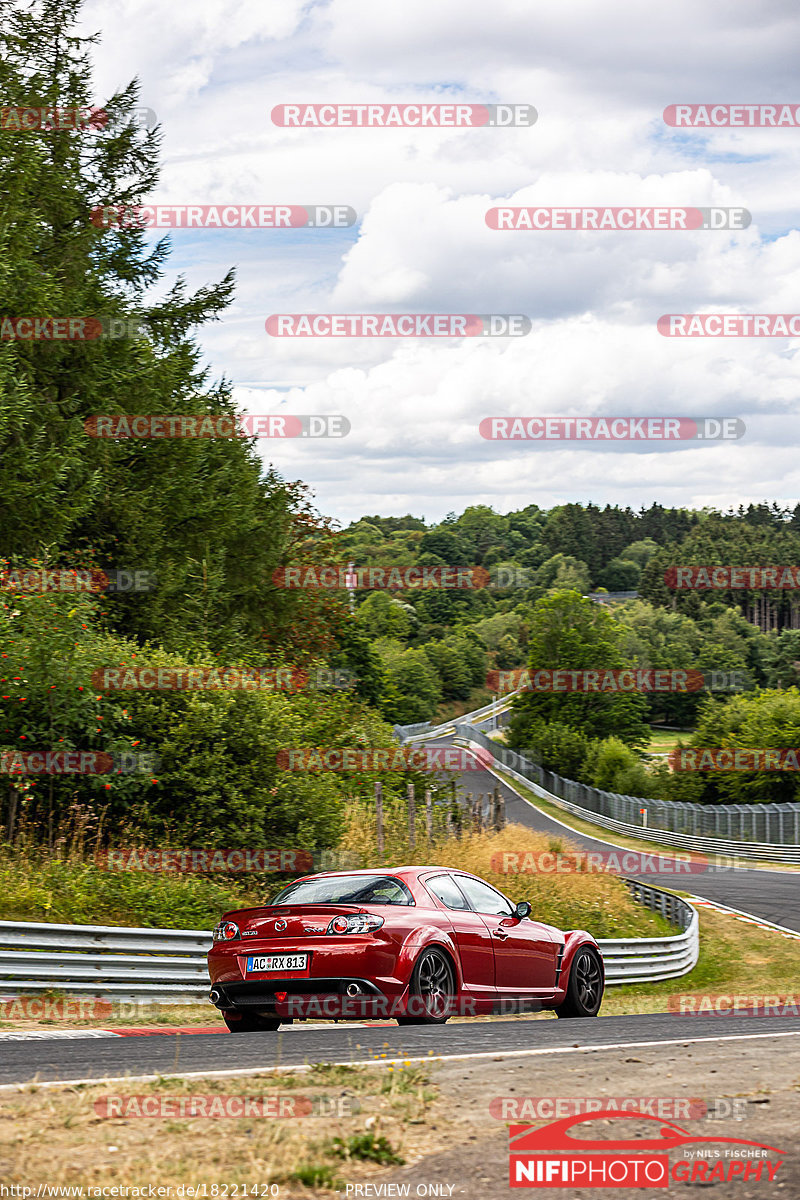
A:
[522,910]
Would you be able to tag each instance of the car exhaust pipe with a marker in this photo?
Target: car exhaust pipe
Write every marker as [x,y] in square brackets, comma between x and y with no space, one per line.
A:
[215,996]
[353,989]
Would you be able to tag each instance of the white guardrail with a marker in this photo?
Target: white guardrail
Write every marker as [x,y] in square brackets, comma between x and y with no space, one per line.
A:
[169,965]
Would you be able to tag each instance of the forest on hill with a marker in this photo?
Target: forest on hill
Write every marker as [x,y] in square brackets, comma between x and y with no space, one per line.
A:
[213,529]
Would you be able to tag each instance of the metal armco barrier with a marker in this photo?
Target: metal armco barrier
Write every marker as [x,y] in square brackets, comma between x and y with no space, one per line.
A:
[606,808]
[108,961]
[645,960]
[424,730]
[169,965]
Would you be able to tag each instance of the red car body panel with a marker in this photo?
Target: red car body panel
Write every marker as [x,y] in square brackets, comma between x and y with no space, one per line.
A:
[494,957]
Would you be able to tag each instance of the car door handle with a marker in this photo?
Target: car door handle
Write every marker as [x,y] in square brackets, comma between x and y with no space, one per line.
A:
[501,933]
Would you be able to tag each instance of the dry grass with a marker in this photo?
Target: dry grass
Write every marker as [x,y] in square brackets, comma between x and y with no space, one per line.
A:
[597,902]
[57,1137]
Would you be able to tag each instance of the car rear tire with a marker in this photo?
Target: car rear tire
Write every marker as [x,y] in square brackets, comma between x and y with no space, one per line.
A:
[431,991]
[585,988]
[250,1023]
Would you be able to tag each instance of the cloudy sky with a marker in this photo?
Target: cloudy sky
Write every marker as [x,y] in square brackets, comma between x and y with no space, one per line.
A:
[599,77]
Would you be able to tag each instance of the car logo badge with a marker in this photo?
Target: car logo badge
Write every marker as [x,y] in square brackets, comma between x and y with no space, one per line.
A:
[279,925]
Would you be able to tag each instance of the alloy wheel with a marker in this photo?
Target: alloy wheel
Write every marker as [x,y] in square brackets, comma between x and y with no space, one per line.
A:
[436,983]
[587,978]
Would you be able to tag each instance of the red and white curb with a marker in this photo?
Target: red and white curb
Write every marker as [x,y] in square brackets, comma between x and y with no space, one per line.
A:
[23,1035]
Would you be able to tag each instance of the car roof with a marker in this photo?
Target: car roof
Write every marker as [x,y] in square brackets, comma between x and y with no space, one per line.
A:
[400,871]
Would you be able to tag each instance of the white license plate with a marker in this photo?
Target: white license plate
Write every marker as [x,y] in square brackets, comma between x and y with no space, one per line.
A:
[277,962]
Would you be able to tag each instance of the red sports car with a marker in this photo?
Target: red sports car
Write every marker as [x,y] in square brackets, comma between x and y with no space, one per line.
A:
[416,943]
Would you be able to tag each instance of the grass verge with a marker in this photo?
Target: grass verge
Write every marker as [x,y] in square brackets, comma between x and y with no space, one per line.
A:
[313,1129]
[38,885]
[735,959]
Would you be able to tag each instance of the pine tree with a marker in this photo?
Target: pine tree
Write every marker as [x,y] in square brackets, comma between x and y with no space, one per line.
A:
[199,512]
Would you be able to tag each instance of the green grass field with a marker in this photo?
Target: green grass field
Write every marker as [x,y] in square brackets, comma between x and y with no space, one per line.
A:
[662,741]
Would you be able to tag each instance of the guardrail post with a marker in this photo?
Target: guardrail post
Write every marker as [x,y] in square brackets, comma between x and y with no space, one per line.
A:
[379,819]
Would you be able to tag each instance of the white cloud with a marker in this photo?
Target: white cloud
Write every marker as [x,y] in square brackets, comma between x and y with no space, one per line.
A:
[599,77]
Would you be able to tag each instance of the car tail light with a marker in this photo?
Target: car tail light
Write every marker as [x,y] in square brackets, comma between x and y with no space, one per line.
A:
[226,931]
[355,923]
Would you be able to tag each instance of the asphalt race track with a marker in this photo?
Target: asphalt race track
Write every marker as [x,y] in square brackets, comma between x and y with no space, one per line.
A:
[771,895]
[80,1058]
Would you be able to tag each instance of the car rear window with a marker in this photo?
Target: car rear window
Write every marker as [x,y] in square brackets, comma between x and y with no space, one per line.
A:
[346,889]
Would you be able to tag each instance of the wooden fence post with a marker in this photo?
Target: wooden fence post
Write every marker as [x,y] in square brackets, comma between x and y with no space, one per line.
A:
[379,818]
[412,817]
[13,796]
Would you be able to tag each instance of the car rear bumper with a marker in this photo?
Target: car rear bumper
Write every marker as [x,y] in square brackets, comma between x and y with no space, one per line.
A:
[365,968]
[256,992]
